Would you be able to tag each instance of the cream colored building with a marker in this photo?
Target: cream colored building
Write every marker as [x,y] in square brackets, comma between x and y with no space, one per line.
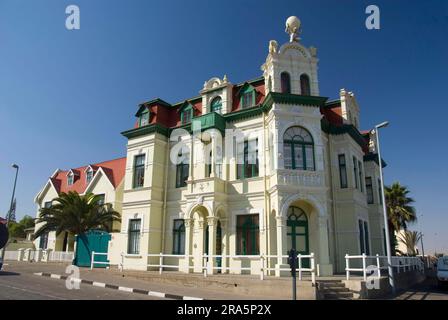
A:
[314,187]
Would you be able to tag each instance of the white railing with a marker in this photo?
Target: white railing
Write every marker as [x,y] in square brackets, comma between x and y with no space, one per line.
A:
[61,256]
[368,264]
[208,268]
[11,255]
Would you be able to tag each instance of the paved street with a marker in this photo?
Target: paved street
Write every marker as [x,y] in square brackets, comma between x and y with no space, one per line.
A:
[427,290]
[19,283]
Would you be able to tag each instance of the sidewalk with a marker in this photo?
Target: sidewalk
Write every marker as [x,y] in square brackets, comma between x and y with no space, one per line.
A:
[141,280]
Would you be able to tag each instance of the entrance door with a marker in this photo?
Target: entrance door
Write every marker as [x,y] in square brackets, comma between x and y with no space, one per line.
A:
[218,244]
[297,233]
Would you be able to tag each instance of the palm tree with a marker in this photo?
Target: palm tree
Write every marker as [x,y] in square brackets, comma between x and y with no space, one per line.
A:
[400,211]
[76,214]
[410,239]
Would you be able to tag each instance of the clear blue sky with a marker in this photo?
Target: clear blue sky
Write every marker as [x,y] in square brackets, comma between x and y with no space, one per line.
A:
[65,96]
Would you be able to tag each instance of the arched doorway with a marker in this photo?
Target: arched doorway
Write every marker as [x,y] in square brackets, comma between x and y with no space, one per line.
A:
[297,232]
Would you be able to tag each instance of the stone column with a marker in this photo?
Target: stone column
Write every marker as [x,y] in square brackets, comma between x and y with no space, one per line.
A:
[198,245]
[281,247]
[212,224]
[20,254]
[184,264]
[325,267]
[224,245]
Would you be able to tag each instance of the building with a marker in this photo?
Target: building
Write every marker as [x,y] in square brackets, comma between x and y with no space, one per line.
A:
[295,171]
[105,179]
[315,184]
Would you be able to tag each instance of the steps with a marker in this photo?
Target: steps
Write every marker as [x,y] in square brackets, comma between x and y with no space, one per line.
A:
[333,290]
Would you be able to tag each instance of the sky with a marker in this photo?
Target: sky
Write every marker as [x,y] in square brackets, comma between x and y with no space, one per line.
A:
[65,95]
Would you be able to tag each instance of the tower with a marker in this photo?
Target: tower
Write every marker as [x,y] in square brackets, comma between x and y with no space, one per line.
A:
[292,68]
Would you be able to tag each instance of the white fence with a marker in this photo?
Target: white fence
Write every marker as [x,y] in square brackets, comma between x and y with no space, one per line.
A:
[261,268]
[39,255]
[365,264]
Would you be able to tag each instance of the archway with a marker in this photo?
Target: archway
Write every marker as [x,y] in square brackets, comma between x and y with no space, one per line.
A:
[297,232]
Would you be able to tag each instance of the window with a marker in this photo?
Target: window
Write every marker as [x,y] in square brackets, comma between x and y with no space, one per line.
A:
[208,166]
[101,199]
[247,159]
[298,149]
[285,82]
[134,236]
[89,176]
[247,235]
[70,179]
[43,243]
[182,169]
[139,171]
[384,242]
[247,97]
[47,204]
[369,190]
[144,118]
[364,244]
[366,238]
[380,191]
[361,236]
[343,171]
[361,182]
[178,236]
[355,171]
[305,85]
[186,114]
[218,162]
[216,105]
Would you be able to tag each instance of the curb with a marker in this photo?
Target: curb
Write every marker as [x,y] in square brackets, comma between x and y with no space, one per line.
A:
[120,288]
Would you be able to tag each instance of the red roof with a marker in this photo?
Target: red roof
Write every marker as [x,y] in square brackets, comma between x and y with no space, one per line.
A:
[114,170]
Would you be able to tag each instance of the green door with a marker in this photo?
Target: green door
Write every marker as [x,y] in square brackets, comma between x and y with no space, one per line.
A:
[94,240]
[297,233]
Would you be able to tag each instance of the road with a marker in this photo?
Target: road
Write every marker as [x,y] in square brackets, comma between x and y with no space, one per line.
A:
[23,285]
[426,290]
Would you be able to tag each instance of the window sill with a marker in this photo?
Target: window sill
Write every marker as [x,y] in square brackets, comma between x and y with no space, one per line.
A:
[131,255]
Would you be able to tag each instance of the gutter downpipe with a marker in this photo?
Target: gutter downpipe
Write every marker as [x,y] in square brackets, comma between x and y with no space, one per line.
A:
[165,192]
[266,211]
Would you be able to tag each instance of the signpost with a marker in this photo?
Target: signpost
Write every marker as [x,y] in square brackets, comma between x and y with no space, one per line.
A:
[293,262]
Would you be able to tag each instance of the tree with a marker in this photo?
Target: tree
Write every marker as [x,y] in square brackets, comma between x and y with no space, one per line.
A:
[400,211]
[410,239]
[17,229]
[76,214]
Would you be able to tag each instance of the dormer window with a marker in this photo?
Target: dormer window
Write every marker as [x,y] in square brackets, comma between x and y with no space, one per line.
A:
[216,105]
[89,175]
[247,96]
[144,118]
[70,179]
[186,114]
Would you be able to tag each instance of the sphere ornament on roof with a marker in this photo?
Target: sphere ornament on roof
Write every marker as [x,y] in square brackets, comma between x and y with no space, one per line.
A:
[293,28]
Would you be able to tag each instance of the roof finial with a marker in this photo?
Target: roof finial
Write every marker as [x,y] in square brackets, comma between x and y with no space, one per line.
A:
[293,28]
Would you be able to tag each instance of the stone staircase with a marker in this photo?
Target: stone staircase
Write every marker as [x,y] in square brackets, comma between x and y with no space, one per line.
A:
[333,290]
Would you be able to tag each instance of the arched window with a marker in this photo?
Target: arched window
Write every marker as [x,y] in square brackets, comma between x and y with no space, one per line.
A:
[144,118]
[216,105]
[285,82]
[305,89]
[298,149]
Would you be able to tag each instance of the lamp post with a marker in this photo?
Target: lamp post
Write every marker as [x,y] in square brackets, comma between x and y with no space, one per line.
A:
[386,223]
[8,217]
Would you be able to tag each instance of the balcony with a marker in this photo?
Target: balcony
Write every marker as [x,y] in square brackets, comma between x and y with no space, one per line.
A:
[302,178]
[206,185]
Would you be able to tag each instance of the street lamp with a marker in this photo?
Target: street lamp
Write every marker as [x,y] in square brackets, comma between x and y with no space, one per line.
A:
[8,216]
[383,197]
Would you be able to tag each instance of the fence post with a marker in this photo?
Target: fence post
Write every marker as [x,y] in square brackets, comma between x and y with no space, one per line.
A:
[300,266]
[92,260]
[160,263]
[313,271]
[122,261]
[261,267]
[204,264]
[364,274]
[378,265]
[347,267]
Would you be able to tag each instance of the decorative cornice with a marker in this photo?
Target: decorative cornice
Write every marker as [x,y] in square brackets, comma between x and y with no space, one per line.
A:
[329,128]
[374,157]
[288,98]
[141,131]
